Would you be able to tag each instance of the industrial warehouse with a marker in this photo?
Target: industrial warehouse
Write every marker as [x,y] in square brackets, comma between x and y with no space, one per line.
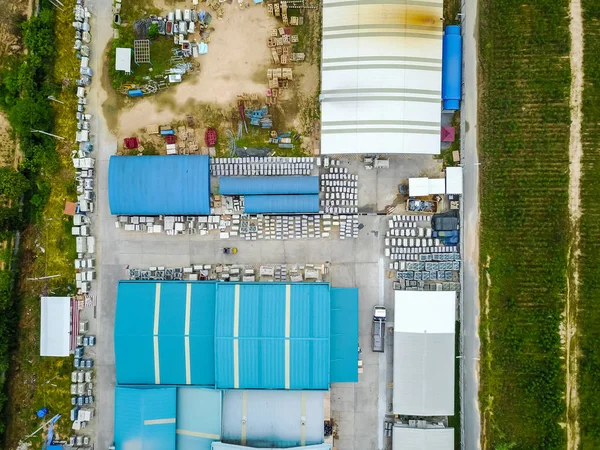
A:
[275,288]
[231,337]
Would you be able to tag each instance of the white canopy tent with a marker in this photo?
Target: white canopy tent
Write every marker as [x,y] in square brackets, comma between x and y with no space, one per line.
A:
[55,333]
[123,60]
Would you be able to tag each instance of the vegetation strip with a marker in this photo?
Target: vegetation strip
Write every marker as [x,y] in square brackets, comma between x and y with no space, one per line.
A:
[524,141]
[47,247]
[588,312]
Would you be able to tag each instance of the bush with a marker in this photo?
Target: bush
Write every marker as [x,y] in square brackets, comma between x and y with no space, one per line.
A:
[153,31]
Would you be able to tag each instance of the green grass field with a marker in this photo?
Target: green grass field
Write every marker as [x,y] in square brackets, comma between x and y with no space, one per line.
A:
[524,137]
[33,381]
[589,303]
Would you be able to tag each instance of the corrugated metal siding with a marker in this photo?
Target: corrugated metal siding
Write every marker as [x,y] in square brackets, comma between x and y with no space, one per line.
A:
[199,414]
[153,185]
[381,77]
[268,185]
[224,446]
[344,335]
[261,337]
[293,204]
[424,374]
[273,419]
[134,333]
[135,406]
[423,439]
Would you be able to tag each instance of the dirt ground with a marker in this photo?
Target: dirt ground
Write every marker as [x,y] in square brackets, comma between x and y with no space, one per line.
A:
[8,147]
[569,333]
[236,63]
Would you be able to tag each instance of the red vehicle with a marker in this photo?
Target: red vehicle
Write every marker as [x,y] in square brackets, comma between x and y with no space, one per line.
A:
[131,143]
[210,137]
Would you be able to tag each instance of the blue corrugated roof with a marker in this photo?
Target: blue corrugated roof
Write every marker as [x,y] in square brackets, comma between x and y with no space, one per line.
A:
[198,418]
[154,185]
[145,418]
[294,204]
[344,335]
[153,318]
[268,185]
[267,339]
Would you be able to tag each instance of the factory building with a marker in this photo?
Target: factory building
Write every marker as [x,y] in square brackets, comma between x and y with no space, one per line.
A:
[155,185]
[204,363]
[381,88]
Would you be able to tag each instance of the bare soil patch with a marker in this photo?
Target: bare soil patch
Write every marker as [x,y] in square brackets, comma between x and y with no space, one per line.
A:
[575,156]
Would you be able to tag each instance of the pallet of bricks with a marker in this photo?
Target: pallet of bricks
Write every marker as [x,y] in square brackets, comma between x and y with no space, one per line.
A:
[278,80]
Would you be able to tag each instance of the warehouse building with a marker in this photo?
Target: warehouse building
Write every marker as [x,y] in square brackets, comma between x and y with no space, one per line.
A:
[274,195]
[424,353]
[204,365]
[423,438]
[381,77]
[293,336]
[155,185]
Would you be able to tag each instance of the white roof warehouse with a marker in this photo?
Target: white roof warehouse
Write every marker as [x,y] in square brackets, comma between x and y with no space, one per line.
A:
[381,76]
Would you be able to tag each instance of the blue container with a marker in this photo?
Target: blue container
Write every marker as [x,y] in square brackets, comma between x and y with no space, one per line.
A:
[135,92]
[452,68]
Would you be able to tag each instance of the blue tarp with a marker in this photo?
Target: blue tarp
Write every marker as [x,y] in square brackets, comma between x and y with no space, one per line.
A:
[154,185]
[452,68]
[344,335]
[276,204]
[268,185]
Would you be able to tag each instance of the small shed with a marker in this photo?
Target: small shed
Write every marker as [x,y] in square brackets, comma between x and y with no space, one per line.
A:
[418,187]
[55,327]
[454,180]
[448,134]
[70,208]
[123,60]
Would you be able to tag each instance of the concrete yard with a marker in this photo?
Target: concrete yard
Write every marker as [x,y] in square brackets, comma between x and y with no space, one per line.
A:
[357,409]
[355,263]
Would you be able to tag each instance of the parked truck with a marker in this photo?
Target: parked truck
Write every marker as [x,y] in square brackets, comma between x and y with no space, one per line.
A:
[378,330]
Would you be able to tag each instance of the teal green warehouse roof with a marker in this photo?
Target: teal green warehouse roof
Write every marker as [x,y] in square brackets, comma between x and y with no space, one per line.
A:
[344,335]
[272,336]
[297,336]
[164,333]
[199,413]
[145,418]
[159,418]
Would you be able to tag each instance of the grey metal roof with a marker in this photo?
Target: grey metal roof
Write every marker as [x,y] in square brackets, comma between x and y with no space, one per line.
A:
[423,438]
[424,374]
[273,418]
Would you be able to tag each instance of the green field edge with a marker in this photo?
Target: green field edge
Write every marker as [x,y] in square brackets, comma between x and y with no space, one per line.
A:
[523,123]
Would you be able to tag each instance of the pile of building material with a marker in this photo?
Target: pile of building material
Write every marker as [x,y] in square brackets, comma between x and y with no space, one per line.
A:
[258,166]
[83,163]
[235,273]
[421,259]
[279,79]
[339,191]
[247,227]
